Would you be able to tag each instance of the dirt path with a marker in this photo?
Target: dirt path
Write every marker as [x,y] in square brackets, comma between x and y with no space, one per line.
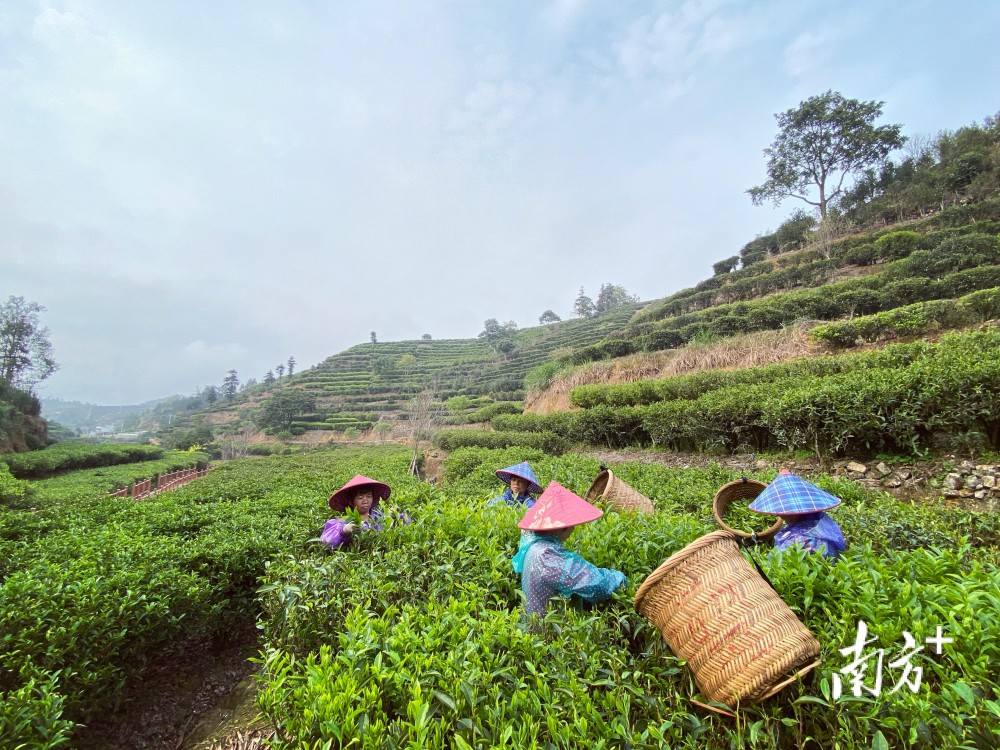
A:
[175,693]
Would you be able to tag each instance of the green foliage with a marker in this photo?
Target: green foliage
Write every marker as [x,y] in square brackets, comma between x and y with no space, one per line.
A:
[486,413]
[31,715]
[950,255]
[70,456]
[895,400]
[415,637]
[11,490]
[896,245]
[825,139]
[281,408]
[917,319]
[726,266]
[25,350]
[548,441]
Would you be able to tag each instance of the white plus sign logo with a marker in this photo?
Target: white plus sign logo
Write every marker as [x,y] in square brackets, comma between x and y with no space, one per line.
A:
[938,640]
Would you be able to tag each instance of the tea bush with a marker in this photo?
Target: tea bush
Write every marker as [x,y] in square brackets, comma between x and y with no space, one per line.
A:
[894,400]
[11,489]
[414,637]
[912,320]
[548,441]
[70,456]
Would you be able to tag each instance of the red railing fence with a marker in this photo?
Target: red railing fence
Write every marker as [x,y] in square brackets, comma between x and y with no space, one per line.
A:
[158,483]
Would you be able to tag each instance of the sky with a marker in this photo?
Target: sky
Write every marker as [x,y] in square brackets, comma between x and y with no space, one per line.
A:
[195,186]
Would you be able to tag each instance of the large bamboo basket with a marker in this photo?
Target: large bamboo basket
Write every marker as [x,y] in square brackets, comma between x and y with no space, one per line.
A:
[618,495]
[741,641]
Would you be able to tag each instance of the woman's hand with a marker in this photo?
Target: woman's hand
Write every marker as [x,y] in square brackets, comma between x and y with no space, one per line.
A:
[350,529]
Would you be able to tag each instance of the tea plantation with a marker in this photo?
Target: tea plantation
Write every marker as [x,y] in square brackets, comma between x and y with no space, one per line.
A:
[414,637]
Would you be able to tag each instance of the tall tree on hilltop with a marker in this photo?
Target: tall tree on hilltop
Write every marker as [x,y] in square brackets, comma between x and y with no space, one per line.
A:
[826,139]
[499,336]
[210,394]
[280,369]
[25,350]
[230,385]
[612,296]
[548,317]
[291,366]
[584,305]
[269,378]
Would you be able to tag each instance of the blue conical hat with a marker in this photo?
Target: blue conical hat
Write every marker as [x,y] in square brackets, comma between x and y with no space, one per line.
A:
[522,470]
[791,495]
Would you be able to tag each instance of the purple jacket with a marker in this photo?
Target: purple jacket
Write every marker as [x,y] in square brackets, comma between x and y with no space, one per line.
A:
[333,534]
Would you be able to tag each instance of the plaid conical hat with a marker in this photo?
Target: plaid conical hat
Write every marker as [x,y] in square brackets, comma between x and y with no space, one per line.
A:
[791,495]
[340,499]
[522,470]
[558,508]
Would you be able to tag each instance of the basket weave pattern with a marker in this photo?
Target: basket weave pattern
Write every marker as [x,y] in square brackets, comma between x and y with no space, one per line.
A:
[618,495]
[741,489]
[741,641]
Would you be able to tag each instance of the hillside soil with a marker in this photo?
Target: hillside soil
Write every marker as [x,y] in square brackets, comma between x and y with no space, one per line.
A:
[175,696]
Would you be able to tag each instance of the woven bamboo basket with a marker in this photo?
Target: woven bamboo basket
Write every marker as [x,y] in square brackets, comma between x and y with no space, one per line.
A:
[741,641]
[741,489]
[618,495]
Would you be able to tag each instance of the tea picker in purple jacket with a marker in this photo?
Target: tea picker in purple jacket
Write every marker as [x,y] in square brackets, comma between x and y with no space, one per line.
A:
[363,495]
[521,485]
[801,505]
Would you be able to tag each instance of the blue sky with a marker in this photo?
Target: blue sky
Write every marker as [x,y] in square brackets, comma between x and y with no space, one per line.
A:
[190,187]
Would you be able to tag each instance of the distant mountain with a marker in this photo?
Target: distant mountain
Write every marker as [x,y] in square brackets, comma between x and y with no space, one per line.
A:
[94,417]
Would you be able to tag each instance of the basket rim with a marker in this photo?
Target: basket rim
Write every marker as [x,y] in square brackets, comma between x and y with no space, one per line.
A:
[641,503]
[775,689]
[724,497]
[676,559]
[600,475]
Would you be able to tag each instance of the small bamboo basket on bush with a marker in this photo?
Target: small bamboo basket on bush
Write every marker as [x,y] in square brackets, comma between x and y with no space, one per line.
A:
[741,641]
[617,495]
[741,489]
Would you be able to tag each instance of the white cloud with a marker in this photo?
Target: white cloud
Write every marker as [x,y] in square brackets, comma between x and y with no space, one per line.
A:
[674,44]
[564,13]
[170,169]
[61,30]
[806,53]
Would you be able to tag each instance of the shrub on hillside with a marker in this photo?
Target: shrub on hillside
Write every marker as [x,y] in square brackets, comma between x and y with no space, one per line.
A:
[546,441]
[950,255]
[71,456]
[11,490]
[913,320]
[895,245]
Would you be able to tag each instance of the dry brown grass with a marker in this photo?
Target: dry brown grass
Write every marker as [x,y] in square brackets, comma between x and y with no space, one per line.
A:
[733,353]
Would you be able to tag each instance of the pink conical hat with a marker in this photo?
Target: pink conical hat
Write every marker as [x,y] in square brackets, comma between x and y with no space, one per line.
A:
[558,508]
[340,499]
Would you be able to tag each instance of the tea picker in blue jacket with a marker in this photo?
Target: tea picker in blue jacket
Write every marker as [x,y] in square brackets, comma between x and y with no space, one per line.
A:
[547,568]
[801,505]
[521,485]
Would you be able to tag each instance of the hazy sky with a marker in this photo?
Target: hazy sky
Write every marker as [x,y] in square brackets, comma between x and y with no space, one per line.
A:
[190,187]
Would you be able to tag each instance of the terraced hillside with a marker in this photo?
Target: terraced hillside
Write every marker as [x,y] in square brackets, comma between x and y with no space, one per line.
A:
[941,272]
[949,254]
[371,382]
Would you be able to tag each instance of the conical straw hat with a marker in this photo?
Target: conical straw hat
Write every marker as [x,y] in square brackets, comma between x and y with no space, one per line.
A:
[558,508]
[791,495]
